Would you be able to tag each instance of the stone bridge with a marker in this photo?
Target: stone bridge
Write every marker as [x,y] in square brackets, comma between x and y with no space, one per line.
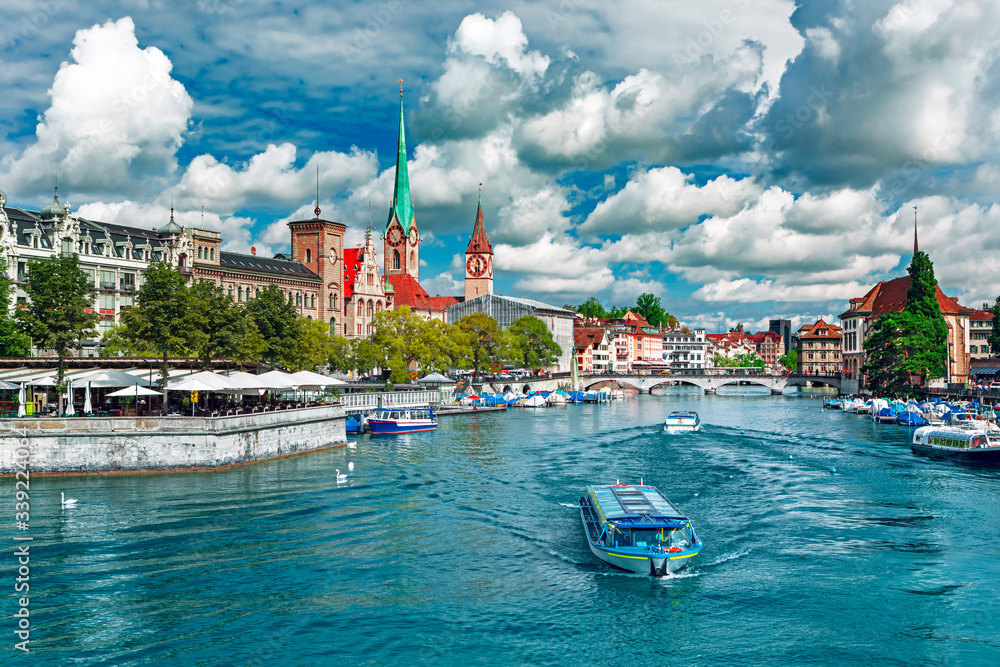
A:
[644,383]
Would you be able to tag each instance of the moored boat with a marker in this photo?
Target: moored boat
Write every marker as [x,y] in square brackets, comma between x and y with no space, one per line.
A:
[965,445]
[636,528]
[402,420]
[682,421]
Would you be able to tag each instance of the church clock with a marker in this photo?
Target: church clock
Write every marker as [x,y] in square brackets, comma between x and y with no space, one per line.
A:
[414,237]
[476,266]
[395,236]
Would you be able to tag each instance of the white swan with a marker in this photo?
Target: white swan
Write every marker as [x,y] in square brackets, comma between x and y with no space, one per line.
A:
[67,502]
[350,466]
[352,445]
[340,478]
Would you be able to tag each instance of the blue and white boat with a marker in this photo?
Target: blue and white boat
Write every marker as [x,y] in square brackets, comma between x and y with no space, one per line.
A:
[682,421]
[635,528]
[964,445]
[402,420]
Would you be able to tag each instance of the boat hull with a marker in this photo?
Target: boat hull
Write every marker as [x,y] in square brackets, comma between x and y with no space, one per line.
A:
[978,456]
[397,427]
[682,427]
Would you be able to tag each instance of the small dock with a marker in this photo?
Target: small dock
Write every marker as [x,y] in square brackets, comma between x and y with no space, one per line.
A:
[446,410]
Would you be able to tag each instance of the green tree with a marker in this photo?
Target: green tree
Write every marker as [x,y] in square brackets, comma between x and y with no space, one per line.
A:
[340,357]
[115,344]
[229,331]
[745,360]
[535,342]
[994,337]
[649,306]
[275,319]
[312,345]
[790,360]
[931,358]
[591,308]
[889,350]
[365,355]
[56,317]
[488,343]
[163,319]
[13,341]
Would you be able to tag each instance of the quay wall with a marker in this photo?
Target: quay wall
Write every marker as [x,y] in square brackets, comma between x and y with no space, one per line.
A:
[118,444]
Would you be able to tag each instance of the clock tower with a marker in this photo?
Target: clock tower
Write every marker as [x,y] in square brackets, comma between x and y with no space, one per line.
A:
[402,239]
[479,259]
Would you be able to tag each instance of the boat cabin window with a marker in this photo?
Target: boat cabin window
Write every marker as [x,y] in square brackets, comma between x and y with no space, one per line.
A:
[646,537]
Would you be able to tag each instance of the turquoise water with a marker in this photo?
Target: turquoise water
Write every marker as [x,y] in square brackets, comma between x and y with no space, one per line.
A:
[464,547]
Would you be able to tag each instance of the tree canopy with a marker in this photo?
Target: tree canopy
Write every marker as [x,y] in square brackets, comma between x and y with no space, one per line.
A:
[535,342]
[790,360]
[488,343]
[647,305]
[994,336]
[745,360]
[59,296]
[275,319]
[907,348]
[230,333]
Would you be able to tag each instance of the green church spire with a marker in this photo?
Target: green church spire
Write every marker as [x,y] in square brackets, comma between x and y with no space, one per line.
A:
[402,204]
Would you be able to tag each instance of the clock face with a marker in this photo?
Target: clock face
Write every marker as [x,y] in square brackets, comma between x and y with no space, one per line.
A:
[489,266]
[414,237]
[395,236]
[476,266]
[333,255]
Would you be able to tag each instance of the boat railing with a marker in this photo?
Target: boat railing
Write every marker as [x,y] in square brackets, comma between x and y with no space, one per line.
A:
[389,399]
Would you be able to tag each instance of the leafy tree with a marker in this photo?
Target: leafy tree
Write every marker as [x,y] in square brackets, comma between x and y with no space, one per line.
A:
[488,344]
[114,343]
[55,317]
[907,348]
[275,319]
[592,308]
[163,319]
[340,356]
[890,349]
[535,342]
[365,355]
[652,310]
[13,342]
[427,344]
[994,336]
[229,331]
[312,345]
[396,332]
[790,360]
[745,360]
[617,312]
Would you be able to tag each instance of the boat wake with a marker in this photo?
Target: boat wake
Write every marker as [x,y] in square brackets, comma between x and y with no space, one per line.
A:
[728,557]
[566,559]
[573,505]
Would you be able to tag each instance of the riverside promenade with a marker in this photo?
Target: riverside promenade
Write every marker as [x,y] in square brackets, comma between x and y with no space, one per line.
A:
[69,445]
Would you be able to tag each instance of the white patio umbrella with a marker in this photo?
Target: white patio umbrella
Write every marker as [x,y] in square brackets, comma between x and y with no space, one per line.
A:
[278,380]
[315,381]
[134,390]
[203,381]
[46,381]
[87,408]
[70,410]
[21,412]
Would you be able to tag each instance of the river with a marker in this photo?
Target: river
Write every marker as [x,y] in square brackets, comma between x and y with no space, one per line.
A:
[464,547]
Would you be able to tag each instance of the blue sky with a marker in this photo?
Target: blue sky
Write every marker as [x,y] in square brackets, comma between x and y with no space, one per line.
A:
[741,159]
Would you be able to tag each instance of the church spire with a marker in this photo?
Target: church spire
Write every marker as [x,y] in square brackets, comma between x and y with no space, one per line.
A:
[479,242]
[915,249]
[402,204]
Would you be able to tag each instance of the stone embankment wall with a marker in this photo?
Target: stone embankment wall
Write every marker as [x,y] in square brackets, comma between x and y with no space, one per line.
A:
[101,444]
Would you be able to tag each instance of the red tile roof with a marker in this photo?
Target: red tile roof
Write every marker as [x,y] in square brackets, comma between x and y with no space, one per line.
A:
[984,315]
[889,296]
[812,330]
[352,263]
[479,241]
[584,336]
[408,292]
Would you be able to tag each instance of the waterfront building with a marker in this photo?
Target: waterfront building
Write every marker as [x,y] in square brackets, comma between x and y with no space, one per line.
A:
[889,296]
[769,345]
[980,328]
[820,349]
[686,351]
[506,309]
[729,345]
[364,289]
[592,349]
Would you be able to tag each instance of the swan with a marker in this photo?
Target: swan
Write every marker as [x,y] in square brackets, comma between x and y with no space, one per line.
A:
[340,478]
[67,502]
[350,466]
[352,445]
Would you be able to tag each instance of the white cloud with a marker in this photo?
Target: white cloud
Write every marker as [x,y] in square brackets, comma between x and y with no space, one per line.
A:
[116,116]
[443,284]
[499,40]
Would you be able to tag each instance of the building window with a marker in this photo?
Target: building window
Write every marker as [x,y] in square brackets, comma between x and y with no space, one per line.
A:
[412,262]
[212,253]
[370,307]
[395,262]
[361,309]
[333,326]
[199,253]
[298,300]
[239,292]
[309,255]
[313,301]
[230,290]
[331,301]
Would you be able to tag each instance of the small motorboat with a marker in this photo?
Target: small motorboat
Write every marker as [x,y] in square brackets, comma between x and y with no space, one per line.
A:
[682,421]
[908,418]
[402,420]
[886,416]
[534,401]
[964,445]
[831,404]
[635,528]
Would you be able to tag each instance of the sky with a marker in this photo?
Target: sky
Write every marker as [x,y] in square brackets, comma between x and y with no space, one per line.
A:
[740,159]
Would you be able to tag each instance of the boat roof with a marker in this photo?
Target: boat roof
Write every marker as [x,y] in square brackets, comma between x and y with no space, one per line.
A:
[683,413]
[633,502]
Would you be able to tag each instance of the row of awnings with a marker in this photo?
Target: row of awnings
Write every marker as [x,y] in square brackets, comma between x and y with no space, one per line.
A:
[985,371]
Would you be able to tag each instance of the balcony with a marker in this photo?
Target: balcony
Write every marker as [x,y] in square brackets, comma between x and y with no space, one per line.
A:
[107,286]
